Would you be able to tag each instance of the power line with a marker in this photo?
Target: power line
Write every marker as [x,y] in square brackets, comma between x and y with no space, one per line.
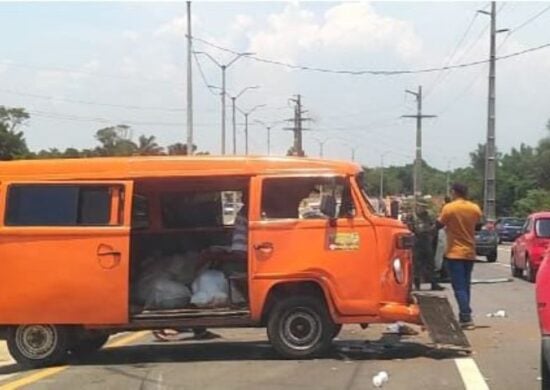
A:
[79,71]
[379,72]
[525,23]
[76,101]
[203,76]
[440,78]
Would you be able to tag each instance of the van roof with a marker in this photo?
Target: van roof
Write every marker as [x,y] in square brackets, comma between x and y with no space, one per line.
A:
[101,168]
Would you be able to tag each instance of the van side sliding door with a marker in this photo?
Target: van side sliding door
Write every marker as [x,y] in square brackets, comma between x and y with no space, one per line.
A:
[64,250]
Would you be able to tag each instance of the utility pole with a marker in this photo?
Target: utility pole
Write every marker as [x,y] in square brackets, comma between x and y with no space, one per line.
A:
[297,148]
[189,84]
[417,176]
[489,194]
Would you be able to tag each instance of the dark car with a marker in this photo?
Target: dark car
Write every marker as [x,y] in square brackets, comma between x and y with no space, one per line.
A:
[508,229]
[487,244]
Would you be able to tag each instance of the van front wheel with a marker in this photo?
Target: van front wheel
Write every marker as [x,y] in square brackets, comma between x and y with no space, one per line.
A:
[300,327]
[34,346]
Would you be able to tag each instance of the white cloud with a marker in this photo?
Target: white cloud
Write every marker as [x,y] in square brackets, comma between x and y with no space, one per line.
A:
[131,35]
[176,27]
[345,27]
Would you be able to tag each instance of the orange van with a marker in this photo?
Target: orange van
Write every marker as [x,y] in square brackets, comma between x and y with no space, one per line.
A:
[91,247]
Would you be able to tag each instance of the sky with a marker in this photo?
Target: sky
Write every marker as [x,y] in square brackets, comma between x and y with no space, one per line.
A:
[79,67]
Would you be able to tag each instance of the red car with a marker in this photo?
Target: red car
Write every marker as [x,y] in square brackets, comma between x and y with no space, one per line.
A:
[528,249]
[543,308]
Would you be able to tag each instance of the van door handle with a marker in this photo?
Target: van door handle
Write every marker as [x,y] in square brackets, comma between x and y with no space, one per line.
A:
[105,250]
[108,257]
[264,247]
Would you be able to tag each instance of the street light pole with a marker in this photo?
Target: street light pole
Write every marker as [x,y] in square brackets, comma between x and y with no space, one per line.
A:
[246,114]
[223,68]
[233,98]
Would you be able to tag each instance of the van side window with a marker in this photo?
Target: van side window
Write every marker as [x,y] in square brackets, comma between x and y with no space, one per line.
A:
[140,212]
[196,209]
[58,205]
[300,197]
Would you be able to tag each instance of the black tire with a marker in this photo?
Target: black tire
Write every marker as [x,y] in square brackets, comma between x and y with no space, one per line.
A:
[35,346]
[516,272]
[300,327]
[492,257]
[336,331]
[89,343]
[530,274]
[544,370]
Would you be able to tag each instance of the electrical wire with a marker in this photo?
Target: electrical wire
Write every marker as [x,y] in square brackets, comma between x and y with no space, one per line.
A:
[203,76]
[381,72]
[75,101]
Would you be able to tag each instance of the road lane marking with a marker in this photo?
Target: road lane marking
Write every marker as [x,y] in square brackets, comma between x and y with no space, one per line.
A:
[47,372]
[470,374]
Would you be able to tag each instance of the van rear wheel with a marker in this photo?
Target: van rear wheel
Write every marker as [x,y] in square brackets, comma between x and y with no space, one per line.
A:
[300,327]
[34,346]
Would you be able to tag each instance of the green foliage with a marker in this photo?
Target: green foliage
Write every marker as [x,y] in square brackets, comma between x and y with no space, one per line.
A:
[536,200]
[12,141]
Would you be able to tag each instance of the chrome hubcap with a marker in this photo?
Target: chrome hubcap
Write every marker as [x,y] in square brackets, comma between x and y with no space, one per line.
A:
[302,329]
[36,341]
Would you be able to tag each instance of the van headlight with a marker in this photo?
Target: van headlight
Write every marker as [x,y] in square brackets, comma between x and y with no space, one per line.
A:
[398,271]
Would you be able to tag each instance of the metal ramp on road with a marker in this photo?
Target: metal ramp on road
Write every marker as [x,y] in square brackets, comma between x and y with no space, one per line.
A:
[440,321]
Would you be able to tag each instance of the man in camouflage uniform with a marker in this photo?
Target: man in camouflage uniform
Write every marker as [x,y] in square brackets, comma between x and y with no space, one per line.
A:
[424,229]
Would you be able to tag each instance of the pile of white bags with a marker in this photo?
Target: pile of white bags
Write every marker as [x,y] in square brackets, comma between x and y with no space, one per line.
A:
[210,289]
[163,281]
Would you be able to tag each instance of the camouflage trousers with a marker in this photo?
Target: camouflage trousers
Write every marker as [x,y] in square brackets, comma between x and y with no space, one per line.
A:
[423,262]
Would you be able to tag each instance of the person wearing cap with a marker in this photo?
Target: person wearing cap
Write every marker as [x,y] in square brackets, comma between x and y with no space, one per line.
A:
[424,228]
[460,217]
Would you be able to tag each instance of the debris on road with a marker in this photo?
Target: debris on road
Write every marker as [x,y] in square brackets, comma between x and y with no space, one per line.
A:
[401,329]
[497,314]
[380,379]
[491,280]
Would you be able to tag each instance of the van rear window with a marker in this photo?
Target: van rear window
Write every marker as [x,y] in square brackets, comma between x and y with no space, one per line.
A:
[58,205]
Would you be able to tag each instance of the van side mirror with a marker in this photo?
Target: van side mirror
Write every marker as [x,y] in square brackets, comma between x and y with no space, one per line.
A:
[328,205]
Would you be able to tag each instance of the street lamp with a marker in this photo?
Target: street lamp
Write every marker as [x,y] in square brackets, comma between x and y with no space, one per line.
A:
[268,128]
[322,144]
[223,67]
[246,114]
[233,99]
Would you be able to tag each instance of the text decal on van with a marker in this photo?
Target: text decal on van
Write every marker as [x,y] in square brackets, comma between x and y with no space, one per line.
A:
[343,241]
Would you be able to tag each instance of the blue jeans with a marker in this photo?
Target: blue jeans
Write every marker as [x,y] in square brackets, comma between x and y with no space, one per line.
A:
[460,272]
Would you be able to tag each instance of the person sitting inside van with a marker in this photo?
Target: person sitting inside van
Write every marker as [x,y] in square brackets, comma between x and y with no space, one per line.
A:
[232,259]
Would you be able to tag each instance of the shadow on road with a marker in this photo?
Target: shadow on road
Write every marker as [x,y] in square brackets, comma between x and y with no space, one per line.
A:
[182,352]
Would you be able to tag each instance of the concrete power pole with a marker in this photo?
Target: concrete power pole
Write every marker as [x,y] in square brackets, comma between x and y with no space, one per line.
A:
[489,198]
[189,84]
[297,147]
[417,176]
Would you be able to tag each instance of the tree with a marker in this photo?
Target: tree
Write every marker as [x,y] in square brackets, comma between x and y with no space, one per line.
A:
[12,144]
[179,149]
[12,141]
[536,200]
[13,118]
[115,142]
[148,147]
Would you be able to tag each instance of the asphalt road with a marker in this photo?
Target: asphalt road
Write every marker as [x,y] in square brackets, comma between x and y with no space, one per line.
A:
[506,353]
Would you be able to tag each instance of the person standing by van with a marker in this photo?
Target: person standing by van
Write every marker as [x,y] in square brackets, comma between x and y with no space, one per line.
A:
[460,218]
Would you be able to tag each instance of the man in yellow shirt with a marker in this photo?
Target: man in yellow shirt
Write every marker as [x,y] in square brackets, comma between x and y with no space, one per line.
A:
[460,218]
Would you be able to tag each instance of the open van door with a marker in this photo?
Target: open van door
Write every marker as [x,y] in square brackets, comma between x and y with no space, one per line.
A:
[65,252]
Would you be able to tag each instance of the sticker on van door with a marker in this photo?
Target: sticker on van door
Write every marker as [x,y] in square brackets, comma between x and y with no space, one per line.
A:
[343,241]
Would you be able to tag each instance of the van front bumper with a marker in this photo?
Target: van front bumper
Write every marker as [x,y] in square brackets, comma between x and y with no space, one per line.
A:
[392,312]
